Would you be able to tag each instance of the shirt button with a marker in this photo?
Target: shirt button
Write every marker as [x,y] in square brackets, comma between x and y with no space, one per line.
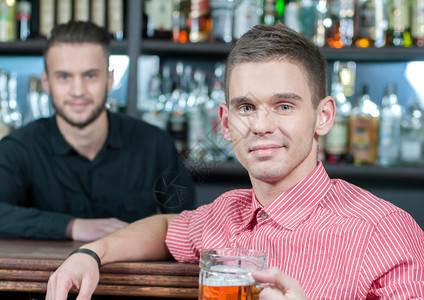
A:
[264,215]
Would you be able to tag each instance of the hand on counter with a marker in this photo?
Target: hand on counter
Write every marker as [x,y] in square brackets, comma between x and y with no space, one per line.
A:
[80,271]
[87,230]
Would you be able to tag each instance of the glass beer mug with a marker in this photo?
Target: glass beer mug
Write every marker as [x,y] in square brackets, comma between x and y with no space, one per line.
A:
[226,274]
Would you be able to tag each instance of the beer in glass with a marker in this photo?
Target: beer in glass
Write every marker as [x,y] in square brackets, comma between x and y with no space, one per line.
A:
[226,274]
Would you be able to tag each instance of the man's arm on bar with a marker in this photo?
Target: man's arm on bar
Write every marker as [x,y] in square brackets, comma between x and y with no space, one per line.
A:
[140,241]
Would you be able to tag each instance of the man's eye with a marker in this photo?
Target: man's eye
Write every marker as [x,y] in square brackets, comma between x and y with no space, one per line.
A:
[285,107]
[90,76]
[246,108]
[64,76]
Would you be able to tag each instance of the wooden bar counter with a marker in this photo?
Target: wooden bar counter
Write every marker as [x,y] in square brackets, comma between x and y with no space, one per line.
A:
[25,266]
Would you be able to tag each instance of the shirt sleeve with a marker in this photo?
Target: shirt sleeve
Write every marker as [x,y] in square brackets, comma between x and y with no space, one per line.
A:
[185,232]
[393,267]
[17,218]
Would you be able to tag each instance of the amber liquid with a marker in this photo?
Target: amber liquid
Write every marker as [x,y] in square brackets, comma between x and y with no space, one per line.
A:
[247,292]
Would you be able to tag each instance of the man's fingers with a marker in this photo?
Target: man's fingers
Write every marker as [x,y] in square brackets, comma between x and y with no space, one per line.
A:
[86,290]
[57,289]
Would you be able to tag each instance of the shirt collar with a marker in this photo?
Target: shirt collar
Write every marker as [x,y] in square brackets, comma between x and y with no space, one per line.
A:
[295,205]
[61,147]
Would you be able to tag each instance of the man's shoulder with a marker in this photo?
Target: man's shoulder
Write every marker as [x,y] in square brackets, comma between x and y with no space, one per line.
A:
[136,125]
[31,132]
[349,200]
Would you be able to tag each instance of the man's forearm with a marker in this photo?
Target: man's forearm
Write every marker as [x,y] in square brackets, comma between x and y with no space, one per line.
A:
[140,241]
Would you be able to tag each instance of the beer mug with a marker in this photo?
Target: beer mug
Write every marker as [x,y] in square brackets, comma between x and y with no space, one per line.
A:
[227,273]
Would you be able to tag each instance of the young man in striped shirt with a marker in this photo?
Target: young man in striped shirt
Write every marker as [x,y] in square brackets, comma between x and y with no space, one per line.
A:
[326,238]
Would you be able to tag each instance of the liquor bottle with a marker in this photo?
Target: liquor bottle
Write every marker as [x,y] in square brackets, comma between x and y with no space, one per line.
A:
[417,23]
[247,14]
[4,106]
[218,149]
[23,20]
[222,12]
[159,19]
[7,21]
[115,19]
[32,108]
[399,24]
[336,140]
[307,18]
[46,17]
[180,16]
[200,21]
[98,12]
[151,108]
[292,15]
[177,122]
[14,110]
[270,16]
[390,123]
[82,10]
[196,100]
[342,32]
[319,36]
[363,130]
[372,23]
[412,138]
[64,11]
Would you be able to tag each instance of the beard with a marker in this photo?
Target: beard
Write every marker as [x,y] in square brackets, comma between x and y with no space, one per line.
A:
[94,114]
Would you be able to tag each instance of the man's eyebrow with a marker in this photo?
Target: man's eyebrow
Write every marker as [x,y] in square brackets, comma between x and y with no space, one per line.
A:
[285,96]
[238,100]
[275,98]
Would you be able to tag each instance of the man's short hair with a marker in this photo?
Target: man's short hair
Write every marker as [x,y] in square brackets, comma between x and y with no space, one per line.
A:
[78,32]
[278,42]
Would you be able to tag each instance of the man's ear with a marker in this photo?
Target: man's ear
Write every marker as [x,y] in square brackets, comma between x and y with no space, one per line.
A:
[45,82]
[326,113]
[223,115]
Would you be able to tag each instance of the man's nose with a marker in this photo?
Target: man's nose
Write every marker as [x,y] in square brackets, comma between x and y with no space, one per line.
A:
[262,122]
[78,87]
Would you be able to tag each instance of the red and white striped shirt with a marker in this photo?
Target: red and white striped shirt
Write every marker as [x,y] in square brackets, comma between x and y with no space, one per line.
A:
[339,241]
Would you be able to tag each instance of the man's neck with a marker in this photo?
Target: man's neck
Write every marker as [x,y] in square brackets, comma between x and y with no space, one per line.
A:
[87,141]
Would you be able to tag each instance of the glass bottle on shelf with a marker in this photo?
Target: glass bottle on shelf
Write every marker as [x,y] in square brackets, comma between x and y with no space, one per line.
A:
[399,24]
[7,21]
[372,23]
[63,11]
[4,106]
[14,110]
[177,121]
[336,141]
[307,18]
[115,19]
[159,19]
[292,15]
[32,108]
[246,15]
[23,20]
[342,31]
[269,16]
[180,16]
[412,137]
[417,23]
[389,132]
[82,10]
[321,23]
[200,21]
[98,12]
[196,114]
[363,129]
[222,12]
[46,17]
[150,107]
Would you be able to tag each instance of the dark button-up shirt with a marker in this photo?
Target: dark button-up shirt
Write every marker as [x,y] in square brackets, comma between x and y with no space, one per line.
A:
[44,182]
